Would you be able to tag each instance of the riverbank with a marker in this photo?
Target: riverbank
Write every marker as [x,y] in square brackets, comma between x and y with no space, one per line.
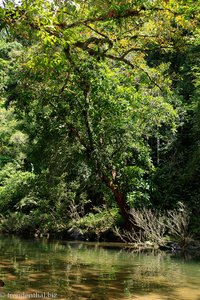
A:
[110,239]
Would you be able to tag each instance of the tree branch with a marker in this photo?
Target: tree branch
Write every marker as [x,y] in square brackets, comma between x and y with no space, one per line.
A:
[111,15]
[97,31]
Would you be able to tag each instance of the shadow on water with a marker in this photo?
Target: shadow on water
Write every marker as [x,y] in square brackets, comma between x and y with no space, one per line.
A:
[63,270]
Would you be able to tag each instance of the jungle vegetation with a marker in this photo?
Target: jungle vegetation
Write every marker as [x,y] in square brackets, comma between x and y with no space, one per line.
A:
[100,113]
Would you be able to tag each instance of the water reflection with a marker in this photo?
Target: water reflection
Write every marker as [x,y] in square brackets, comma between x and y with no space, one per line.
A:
[60,270]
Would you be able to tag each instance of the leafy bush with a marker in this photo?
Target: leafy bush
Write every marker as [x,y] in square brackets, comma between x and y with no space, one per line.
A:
[15,222]
[97,222]
[15,185]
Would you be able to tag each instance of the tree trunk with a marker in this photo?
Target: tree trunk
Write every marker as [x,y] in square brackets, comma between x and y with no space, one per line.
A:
[121,202]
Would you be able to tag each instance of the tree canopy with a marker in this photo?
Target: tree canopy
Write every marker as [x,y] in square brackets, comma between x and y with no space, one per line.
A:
[99,90]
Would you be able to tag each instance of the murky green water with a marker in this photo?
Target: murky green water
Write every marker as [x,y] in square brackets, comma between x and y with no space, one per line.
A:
[35,269]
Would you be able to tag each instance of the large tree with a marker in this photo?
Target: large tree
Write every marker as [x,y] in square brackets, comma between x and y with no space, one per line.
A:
[86,82]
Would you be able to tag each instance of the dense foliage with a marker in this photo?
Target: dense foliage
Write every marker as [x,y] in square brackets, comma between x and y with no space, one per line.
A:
[99,112]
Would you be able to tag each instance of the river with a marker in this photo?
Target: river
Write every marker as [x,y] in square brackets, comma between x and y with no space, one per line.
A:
[42,269]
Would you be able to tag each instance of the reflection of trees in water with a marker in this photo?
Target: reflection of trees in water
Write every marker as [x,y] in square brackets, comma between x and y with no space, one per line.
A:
[86,271]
